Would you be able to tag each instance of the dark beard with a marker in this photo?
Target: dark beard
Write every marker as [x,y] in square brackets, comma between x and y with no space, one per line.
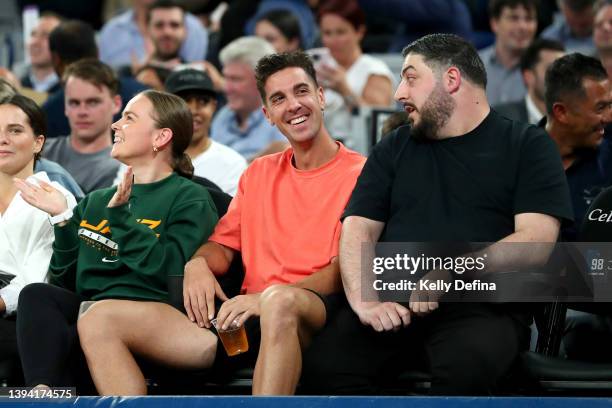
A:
[435,114]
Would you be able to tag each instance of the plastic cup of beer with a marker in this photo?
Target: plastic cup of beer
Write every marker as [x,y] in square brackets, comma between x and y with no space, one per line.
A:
[234,338]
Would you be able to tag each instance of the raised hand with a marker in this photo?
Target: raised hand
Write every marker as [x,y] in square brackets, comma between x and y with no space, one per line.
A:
[45,197]
[124,190]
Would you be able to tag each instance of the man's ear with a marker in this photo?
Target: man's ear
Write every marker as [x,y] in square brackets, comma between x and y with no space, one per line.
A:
[117,104]
[452,79]
[266,114]
[561,112]
[493,24]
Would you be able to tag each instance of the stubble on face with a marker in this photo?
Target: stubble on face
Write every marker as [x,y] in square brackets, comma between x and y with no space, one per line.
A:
[435,114]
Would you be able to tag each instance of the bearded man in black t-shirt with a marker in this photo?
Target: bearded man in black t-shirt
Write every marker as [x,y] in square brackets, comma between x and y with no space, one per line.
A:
[459,173]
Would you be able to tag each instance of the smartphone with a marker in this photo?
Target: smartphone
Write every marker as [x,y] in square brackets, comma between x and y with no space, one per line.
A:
[321,56]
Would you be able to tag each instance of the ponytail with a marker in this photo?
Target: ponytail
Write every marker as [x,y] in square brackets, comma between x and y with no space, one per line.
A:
[183,166]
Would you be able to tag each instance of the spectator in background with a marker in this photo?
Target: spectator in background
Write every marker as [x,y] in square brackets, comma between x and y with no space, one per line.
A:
[352,79]
[534,63]
[69,42]
[211,160]
[166,30]
[574,26]
[578,106]
[26,236]
[54,171]
[241,124]
[124,38]
[41,76]
[299,8]
[281,29]
[92,99]
[514,24]
[602,34]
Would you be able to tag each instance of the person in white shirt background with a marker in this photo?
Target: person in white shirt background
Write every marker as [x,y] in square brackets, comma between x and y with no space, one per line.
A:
[212,160]
[26,235]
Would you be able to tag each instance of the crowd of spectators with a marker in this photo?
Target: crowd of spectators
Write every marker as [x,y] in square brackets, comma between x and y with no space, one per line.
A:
[84,83]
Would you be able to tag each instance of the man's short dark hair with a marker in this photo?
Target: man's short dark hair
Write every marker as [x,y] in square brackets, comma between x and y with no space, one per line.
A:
[163,4]
[73,40]
[441,51]
[94,71]
[565,76]
[531,56]
[497,6]
[273,63]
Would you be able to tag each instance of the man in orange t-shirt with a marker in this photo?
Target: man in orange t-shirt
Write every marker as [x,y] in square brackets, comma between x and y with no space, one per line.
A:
[285,222]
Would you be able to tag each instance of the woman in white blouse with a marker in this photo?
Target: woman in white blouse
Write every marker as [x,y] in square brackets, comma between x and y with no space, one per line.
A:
[26,236]
[351,78]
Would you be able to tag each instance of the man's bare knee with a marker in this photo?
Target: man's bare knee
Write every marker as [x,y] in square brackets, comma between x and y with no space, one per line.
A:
[280,307]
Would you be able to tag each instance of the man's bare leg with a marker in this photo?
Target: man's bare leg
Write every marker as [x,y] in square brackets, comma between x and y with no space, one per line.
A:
[113,331]
[289,318]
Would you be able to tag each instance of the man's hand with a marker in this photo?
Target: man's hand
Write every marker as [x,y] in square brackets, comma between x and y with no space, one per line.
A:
[424,301]
[238,309]
[385,316]
[199,290]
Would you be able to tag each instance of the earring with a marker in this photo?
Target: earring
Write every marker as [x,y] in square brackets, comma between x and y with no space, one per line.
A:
[155,149]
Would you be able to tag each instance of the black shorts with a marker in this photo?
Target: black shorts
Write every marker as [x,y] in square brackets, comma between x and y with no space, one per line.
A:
[224,365]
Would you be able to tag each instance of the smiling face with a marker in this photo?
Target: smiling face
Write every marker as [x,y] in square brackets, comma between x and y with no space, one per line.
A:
[588,116]
[202,106]
[38,46]
[427,103]
[134,132]
[167,31]
[18,143]
[294,105]
[515,28]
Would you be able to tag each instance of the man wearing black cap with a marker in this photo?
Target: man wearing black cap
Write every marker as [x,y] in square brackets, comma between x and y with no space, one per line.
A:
[214,161]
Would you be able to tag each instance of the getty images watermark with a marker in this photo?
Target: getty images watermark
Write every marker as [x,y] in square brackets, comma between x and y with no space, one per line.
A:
[495,272]
[411,265]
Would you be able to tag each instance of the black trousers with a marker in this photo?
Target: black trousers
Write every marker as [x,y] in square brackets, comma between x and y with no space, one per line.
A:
[467,348]
[8,338]
[48,340]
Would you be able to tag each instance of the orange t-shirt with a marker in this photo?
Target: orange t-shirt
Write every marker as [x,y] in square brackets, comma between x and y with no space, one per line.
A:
[285,221]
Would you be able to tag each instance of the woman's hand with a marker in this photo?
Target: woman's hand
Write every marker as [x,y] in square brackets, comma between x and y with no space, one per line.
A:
[44,197]
[333,77]
[124,190]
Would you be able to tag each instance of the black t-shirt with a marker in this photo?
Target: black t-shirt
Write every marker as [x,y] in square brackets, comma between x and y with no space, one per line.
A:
[465,188]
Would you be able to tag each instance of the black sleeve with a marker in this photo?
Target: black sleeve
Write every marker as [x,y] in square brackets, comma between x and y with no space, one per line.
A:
[371,197]
[541,183]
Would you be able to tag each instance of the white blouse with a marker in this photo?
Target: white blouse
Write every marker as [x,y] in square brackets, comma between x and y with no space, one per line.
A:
[26,239]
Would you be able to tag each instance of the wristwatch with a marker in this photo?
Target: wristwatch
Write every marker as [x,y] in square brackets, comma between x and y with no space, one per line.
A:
[65,216]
